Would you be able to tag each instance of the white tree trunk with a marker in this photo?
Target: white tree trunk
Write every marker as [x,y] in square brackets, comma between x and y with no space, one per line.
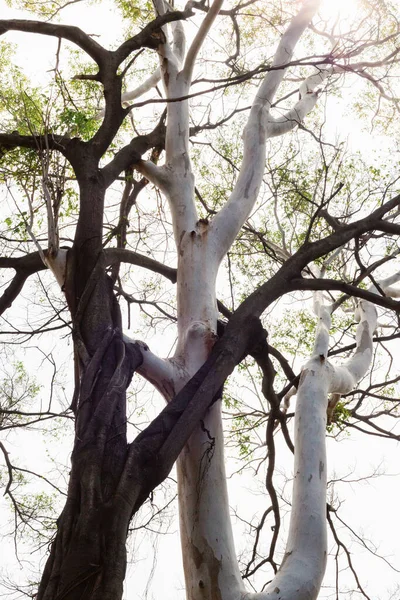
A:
[303,566]
[209,557]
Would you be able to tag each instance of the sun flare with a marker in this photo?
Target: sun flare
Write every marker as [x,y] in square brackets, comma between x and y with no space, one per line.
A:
[339,9]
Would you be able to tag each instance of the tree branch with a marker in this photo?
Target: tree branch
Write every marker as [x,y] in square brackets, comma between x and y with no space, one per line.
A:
[117,255]
[302,283]
[158,371]
[132,153]
[151,36]
[24,267]
[227,223]
[68,32]
[12,291]
[200,36]
[8,141]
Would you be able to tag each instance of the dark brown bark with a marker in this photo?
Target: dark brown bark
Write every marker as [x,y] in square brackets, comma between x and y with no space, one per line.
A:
[24,267]
[88,556]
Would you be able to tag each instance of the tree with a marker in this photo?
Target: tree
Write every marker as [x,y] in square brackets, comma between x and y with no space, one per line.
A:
[43,148]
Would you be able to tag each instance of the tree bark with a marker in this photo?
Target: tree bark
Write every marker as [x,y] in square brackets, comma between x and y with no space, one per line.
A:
[88,556]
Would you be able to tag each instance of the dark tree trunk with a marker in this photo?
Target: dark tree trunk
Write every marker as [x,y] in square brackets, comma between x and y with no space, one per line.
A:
[88,556]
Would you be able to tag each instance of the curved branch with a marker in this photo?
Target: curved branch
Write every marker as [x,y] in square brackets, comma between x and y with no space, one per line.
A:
[351,290]
[12,291]
[151,35]
[294,117]
[199,38]
[158,176]
[132,153]
[68,32]
[24,267]
[178,49]
[286,368]
[284,53]
[227,223]
[144,87]
[117,255]
[158,371]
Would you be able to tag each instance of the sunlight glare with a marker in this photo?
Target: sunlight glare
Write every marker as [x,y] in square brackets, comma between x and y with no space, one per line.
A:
[339,9]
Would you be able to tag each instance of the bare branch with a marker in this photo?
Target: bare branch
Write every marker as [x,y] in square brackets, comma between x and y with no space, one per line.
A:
[199,38]
[68,32]
[24,267]
[151,36]
[346,288]
[8,141]
[117,255]
[12,291]
[227,223]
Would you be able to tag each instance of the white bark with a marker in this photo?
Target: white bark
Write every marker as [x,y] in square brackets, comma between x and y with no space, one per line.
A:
[261,125]
[147,85]
[347,376]
[206,535]
[207,541]
[303,566]
[52,229]
[58,265]
[175,178]
[158,371]
[209,557]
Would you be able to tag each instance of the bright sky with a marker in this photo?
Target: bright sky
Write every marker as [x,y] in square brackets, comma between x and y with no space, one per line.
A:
[373,504]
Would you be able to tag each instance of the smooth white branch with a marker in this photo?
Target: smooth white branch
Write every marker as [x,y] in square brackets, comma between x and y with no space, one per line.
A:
[200,37]
[158,176]
[57,263]
[304,562]
[158,371]
[346,376]
[175,178]
[323,313]
[260,125]
[349,374]
[141,89]
[284,52]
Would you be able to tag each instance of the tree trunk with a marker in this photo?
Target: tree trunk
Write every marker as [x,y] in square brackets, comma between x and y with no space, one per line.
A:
[88,555]
[209,558]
